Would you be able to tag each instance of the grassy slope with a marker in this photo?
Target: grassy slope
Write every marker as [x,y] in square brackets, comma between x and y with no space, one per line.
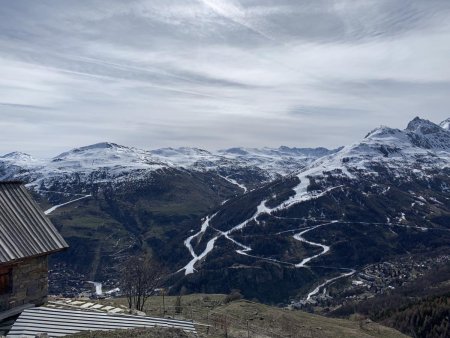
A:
[263,320]
[154,215]
[276,322]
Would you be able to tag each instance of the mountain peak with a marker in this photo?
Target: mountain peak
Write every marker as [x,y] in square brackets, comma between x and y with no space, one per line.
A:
[235,151]
[18,156]
[92,147]
[381,132]
[428,135]
[445,124]
[100,145]
[422,126]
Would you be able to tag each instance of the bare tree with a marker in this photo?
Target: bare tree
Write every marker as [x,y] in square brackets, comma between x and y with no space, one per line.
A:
[140,276]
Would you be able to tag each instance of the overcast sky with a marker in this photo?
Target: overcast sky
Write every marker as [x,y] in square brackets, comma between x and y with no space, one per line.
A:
[217,73]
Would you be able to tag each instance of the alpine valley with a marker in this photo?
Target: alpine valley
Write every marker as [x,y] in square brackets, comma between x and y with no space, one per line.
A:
[292,226]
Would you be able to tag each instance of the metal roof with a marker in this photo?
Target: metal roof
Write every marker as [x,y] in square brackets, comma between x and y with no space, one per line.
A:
[24,229]
[61,322]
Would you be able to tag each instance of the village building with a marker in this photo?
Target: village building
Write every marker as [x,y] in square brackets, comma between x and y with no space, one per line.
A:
[27,238]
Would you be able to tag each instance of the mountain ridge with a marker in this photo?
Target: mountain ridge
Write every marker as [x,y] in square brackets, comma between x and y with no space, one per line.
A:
[281,224]
[274,161]
[267,163]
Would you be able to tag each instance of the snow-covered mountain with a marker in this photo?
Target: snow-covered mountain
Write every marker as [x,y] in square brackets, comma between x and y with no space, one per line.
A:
[421,146]
[102,161]
[274,162]
[112,162]
[283,160]
[405,154]
[108,156]
[386,195]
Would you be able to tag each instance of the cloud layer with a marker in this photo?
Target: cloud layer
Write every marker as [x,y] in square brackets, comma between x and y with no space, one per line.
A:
[217,73]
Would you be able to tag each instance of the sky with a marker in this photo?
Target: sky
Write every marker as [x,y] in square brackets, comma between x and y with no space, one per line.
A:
[217,73]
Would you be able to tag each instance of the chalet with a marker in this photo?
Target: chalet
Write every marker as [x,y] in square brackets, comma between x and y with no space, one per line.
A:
[27,238]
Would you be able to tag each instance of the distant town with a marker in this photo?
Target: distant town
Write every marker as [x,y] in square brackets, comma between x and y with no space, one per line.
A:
[374,279]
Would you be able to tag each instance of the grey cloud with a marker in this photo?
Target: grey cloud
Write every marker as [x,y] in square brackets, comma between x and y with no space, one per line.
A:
[328,112]
[22,106]
[173,73]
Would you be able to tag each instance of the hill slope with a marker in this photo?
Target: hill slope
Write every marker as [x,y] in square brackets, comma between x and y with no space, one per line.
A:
[215,315]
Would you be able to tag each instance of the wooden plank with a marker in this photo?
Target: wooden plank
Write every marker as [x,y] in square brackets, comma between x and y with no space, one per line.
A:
[92,321]
[91,314]
[59,322]
[93,324]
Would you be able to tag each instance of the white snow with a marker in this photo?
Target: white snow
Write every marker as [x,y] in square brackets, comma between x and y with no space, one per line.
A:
[261,208]
[435,200]
[112,162]
[325,248]
[274,161]
[189,268]
[49,211]
[98,288]
[445,124]
[357,282]
[232,181]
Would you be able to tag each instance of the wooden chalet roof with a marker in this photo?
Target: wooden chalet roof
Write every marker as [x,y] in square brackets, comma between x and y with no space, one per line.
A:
[25,231]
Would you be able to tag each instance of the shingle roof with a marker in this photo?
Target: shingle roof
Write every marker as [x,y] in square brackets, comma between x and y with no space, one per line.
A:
[24,229]
[61,322]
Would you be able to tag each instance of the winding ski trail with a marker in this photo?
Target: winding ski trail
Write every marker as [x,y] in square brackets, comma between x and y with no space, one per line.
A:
[233,181]
[50,210]
[301,195]
[325,248]
[328,281]
[189,268]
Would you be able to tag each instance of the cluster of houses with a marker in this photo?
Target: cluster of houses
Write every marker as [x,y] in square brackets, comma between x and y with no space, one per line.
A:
[27,238]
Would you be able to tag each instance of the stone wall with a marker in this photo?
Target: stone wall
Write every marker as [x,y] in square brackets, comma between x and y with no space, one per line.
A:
[29,283]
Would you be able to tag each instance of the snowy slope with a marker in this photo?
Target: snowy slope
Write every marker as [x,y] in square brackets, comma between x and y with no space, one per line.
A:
[110,162]
[422,146]
[405,154]
[274,161]
[102,161]
[15,164]
[105,155]
[282,160]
